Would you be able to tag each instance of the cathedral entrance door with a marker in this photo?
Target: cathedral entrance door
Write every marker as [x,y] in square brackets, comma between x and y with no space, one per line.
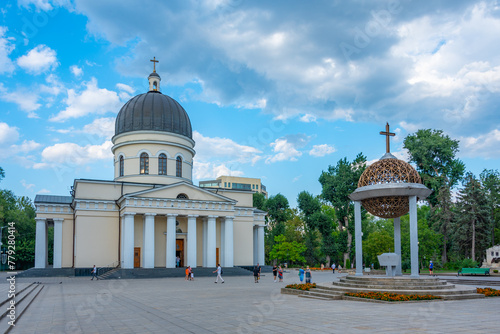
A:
[179,250]
[137,257]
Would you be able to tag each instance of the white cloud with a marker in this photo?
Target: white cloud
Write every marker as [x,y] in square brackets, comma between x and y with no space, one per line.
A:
[26,146]
[308,118]
[321,150]
[125,88]
[77,71]
[27,186]
[286,148]
[101,127]
[43,191]
[26,100]
[6,47]
[92,100]
[68,155]
[209,148]
[209,170]
[484,146]
[38,60]
[8,134]
[38,4]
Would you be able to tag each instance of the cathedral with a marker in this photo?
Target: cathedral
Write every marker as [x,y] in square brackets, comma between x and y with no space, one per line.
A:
[150,215]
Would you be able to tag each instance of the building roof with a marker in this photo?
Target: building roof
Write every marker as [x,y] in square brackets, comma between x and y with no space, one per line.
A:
[53,199]
[153,111]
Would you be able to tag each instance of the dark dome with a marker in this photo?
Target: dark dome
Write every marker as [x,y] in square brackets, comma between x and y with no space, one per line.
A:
[153,111]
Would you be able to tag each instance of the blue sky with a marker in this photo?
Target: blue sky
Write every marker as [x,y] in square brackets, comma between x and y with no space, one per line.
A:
[278,90]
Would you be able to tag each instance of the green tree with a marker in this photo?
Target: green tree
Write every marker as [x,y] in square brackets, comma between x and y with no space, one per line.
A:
[337,184]
[490,180]
[21,211]
[259,201]
[472,227]
[278,213]
[434,155]
[2,173]
[442,216]
[376,243]
[285,251]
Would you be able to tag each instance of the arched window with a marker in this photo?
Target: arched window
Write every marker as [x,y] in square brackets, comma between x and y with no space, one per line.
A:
[121,165]
[178,167]
[162,164]
[144,163]
[155,85]
[182,196]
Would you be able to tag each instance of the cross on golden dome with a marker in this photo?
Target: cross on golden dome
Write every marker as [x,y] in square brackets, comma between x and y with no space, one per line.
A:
[387,134]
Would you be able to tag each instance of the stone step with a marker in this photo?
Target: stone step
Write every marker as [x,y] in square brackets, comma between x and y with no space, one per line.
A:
[318,297]
[461,290]
[392,280]
[462,296]
[23,300]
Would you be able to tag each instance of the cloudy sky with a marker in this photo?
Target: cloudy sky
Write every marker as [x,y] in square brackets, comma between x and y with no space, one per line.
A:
[277,90]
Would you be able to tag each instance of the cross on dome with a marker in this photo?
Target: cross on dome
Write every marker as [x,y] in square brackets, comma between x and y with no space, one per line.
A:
[154,61]
[387,134]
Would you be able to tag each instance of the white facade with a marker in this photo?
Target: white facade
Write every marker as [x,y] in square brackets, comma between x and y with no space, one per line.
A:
[151,213]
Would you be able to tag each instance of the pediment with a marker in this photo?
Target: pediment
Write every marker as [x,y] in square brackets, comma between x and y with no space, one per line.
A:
[172,191]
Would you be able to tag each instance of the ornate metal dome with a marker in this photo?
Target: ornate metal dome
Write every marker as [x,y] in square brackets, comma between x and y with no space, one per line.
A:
[386,171]
[155,112]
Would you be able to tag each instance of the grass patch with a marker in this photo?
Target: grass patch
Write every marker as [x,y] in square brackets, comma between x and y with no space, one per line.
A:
[391,297]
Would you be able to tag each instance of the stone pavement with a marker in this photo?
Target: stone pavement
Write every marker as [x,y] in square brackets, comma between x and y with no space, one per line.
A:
[172,305]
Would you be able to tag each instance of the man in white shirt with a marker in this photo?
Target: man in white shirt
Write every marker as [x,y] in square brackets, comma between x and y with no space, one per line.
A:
[333,267]
[219,273]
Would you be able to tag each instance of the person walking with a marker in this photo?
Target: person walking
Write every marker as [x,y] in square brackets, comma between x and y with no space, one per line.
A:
[275,272]
[301,274]
[219,274]
[94,273]
[308,275]
[280,273]
[431,268]
[188,274]
[333,267]
[258,267]
[256,271]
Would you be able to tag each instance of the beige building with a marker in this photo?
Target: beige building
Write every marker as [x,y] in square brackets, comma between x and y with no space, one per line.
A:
[235,182]
[151,213]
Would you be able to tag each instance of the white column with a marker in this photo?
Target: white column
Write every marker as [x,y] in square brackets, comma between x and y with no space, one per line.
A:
[171,234]
[205,231]
[222,254]
[211,242]
[58,242]
[413,237]
[260,246]
[357,238]
[149,240]
[191,241]
[397,244]
[41,243]
[255,245]
[228,242]
[128,240]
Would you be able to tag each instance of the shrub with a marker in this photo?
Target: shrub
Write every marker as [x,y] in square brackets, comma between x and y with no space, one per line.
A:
[348,264]
[391,297]
[468,263]
[489,292]
[495,271]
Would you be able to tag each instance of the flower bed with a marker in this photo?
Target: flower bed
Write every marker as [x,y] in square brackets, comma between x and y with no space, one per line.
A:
[489,292]
[391,297]
[303,287]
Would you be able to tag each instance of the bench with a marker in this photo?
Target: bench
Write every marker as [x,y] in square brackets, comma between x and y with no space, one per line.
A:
[474,271]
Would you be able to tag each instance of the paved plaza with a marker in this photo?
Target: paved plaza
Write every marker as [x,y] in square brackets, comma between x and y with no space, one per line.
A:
[172,305]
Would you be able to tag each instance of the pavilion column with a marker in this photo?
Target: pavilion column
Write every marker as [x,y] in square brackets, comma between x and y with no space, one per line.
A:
[228,242]
[41,243]
[413,236]
[58,242]
[397,244]
[255,245]
[128,240]
[171,234]
[260,245]
[149,240]
[205,231]
[211,242]
[358,238]
[191,241]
